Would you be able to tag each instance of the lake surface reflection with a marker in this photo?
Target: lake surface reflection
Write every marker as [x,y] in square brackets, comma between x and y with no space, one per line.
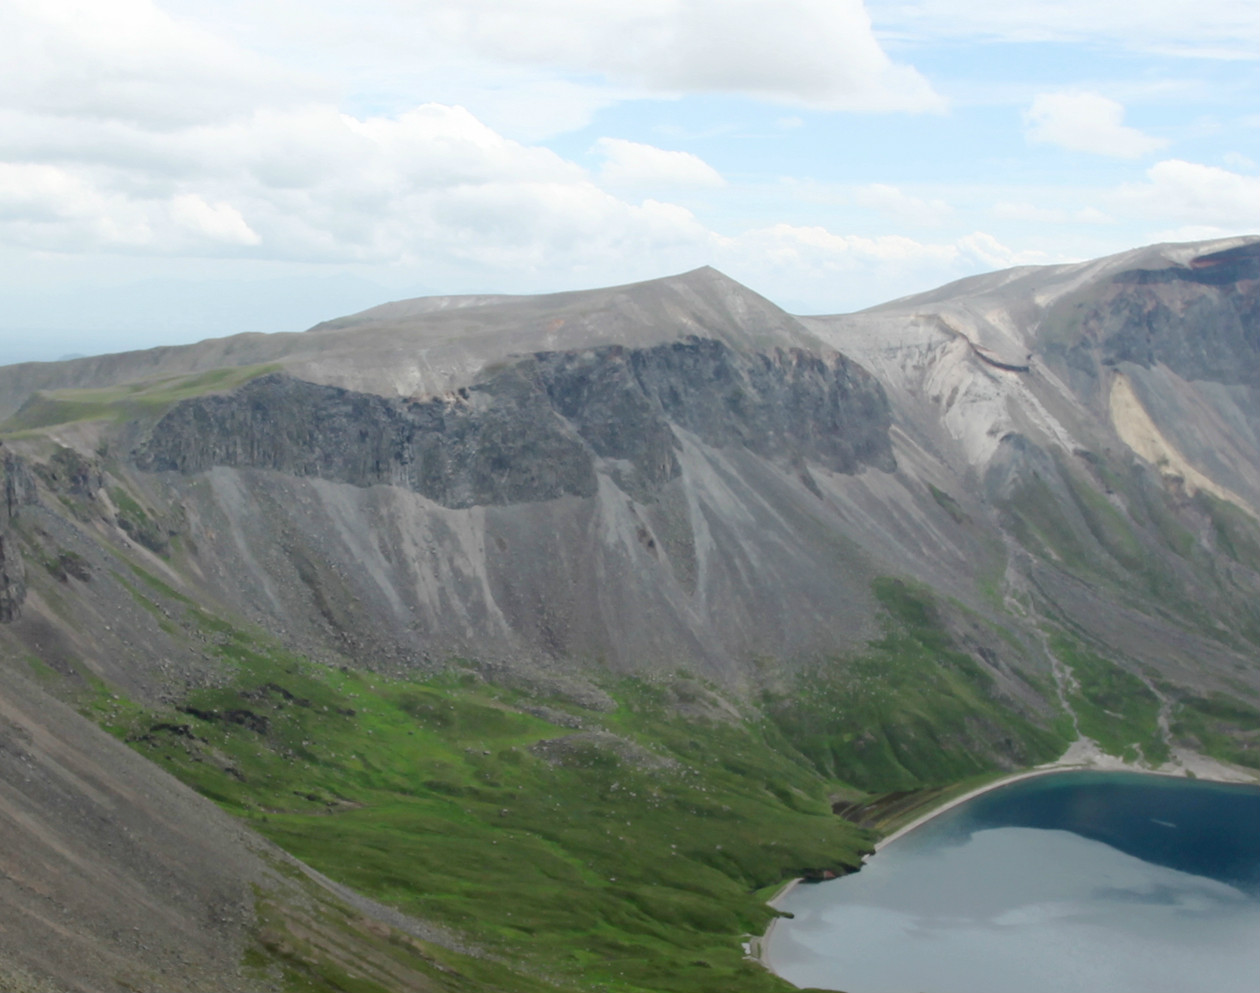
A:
[1090,882]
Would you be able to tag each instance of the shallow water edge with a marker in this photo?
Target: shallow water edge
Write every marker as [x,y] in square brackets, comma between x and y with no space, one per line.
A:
[1081,756]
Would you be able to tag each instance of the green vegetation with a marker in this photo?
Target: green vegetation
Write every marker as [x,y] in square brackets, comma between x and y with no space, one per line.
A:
[1078,527]
[1113,706]
[991,574]
[1038,521]
[624,845]
[1220,726]
[1075,526]
[318,945]
[887,813]
[1237,534]
[133,519]
[948,504]
[64,564]
[912,710]
[144,400]
[1106,524]
[622,849]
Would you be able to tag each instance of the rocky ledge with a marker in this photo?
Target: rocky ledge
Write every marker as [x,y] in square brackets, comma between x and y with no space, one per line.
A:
[539,427]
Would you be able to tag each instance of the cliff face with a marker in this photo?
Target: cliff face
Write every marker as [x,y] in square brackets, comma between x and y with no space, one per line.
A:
[1202,321]
[942,536]
[630,504]
[1198,322]
[1115,445]
[537,429]
[679,473]
[17,488]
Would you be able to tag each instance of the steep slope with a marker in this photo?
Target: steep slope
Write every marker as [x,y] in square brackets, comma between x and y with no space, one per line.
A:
[639,497]
[114,876]
[677,473]
[421,570]
[1103,417]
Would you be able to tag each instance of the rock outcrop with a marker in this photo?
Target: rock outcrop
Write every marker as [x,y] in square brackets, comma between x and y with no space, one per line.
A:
[17,488]
[923,540]
[535,429]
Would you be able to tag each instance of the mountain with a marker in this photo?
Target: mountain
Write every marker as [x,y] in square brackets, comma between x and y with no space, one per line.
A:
[497,567]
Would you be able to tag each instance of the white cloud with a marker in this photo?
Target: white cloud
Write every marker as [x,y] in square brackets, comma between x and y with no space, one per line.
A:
[629,163]
[314,184]
[172,128]
[813,52]
[989,252]
[1224,29]
[1086,122]
[49,208]
[529,105]
[30,192]
[218,222]
[818,52]
[816,245]
[1204,196]
[1012,211]
[126,60]
[815,248]
[1191,232]
[811,269]
[235,131]
[903,206]
[435,145]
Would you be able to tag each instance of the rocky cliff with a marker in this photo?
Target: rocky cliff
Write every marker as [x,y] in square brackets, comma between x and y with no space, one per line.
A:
[535,430]
[947,535]
[677,472]
[18,489]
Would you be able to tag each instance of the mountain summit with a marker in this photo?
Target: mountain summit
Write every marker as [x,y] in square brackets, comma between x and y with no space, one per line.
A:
[950,535]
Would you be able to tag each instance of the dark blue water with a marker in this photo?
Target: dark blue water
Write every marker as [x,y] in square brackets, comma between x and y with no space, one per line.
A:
[1205,829]
[1082,882]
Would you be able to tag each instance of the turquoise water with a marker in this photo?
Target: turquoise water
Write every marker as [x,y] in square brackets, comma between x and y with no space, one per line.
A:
[1081,882]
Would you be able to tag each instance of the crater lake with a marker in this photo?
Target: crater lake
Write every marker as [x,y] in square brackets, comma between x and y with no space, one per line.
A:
[1069,882]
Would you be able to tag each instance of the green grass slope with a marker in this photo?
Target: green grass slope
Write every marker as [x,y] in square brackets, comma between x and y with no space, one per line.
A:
[622,850]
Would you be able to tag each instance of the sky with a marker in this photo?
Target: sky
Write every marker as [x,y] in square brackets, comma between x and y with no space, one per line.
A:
[172,170]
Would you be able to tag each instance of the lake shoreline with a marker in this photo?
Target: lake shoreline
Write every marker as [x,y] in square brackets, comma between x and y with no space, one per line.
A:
[1081,756]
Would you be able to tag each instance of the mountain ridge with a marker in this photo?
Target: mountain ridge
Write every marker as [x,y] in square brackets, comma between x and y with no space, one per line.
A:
[331,352]
[646,533]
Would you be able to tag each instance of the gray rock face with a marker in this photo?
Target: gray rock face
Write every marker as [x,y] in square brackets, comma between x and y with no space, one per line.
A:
[112,876]
[12,579]
[534,430]
[505,445]
[1113,449]
[17,488]
[1201,320]
[667,476]
[678,474]
[433,346]
[789,403]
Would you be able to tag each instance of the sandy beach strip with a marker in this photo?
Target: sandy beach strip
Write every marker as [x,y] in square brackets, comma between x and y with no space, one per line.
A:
[755,946]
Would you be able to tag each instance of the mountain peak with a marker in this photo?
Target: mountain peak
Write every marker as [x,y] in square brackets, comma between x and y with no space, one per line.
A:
[433,344]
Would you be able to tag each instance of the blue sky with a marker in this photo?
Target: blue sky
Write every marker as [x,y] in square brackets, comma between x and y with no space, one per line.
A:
[174,170]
